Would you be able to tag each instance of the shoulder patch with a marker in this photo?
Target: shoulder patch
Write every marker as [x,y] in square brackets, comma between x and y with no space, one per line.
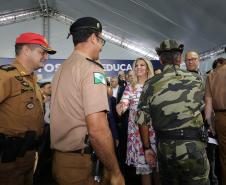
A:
[99,78]
[7,67]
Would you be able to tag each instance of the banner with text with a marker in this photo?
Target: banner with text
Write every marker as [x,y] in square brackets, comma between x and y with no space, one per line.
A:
[111,67]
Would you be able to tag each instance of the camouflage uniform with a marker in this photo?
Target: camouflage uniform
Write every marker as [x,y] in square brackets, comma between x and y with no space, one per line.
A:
[171,103]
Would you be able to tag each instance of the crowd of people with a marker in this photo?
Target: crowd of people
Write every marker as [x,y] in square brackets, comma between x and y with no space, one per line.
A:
[146,126]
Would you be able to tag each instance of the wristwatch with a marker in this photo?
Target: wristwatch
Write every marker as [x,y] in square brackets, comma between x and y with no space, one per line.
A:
[147,147]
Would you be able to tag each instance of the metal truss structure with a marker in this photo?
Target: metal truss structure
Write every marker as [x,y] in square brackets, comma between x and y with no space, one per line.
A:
[213,52]
[46,13]
[19,16]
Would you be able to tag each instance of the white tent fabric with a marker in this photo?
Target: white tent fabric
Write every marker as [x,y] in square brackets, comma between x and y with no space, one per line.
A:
[200,25]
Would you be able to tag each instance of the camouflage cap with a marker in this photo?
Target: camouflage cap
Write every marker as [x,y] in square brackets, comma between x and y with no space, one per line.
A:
[169,45]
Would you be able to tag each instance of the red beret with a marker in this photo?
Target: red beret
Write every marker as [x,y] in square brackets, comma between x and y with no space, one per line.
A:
[34,38]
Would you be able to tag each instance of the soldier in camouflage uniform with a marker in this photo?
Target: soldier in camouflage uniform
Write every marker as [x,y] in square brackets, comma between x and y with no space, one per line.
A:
[171,102]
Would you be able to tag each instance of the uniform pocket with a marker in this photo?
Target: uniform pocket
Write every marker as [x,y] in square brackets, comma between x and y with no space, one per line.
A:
[197,163]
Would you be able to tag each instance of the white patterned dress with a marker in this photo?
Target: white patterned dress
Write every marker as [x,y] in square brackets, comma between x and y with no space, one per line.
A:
[135,152]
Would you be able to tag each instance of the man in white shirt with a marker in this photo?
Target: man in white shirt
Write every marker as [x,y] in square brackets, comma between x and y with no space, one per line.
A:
[46,93]
[115,86]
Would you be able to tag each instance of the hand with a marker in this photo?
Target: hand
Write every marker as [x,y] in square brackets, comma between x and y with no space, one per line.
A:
[119,109]
[212,129]
[150,157]
[117,179]
[211,124]
[116,142]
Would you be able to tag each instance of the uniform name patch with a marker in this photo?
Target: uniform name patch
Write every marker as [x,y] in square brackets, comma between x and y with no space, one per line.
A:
[99,78]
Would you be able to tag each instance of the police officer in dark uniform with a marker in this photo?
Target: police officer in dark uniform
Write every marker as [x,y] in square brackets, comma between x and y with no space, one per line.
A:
[21,114]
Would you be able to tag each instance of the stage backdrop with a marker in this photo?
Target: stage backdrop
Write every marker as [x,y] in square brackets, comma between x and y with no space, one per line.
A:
[111,67]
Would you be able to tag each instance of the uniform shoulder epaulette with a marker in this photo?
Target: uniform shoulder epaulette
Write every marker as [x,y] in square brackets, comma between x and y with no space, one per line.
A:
[7,67]
[93,61]
[154,79]
[147,81]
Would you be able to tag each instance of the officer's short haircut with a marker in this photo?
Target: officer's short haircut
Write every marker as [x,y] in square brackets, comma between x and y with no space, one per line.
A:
[18,47]
[169,57]
[82,35]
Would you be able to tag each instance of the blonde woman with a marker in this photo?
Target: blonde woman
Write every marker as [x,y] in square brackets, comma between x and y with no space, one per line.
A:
[143,70]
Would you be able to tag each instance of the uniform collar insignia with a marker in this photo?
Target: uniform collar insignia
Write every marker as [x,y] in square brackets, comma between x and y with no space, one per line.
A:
[20,68]
[23,73]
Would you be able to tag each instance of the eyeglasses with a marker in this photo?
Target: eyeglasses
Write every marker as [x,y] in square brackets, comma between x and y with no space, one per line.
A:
[191,59]
[102,40]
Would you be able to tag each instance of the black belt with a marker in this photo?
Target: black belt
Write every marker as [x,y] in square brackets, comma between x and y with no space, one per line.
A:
[219,110]
[181,134]
[12,147]
[86,150]
[31,145]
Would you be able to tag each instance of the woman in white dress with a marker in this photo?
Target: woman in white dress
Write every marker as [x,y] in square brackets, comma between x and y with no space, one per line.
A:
[143,70]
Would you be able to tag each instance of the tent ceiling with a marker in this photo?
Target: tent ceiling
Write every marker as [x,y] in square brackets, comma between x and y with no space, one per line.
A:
[13,5]
[200,25]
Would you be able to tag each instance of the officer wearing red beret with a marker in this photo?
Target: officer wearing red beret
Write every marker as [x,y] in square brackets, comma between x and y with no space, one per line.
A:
[21,114]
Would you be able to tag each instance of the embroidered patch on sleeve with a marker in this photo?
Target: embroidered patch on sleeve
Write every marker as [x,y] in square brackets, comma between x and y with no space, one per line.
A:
[99,78]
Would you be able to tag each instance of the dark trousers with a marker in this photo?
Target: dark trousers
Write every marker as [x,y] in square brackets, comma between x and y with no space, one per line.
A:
[211,154]
[43,173]
[122,148]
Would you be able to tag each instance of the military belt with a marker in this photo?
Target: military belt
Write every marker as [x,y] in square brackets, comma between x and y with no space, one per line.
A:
[86,150]
[12,147]
[181,134]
